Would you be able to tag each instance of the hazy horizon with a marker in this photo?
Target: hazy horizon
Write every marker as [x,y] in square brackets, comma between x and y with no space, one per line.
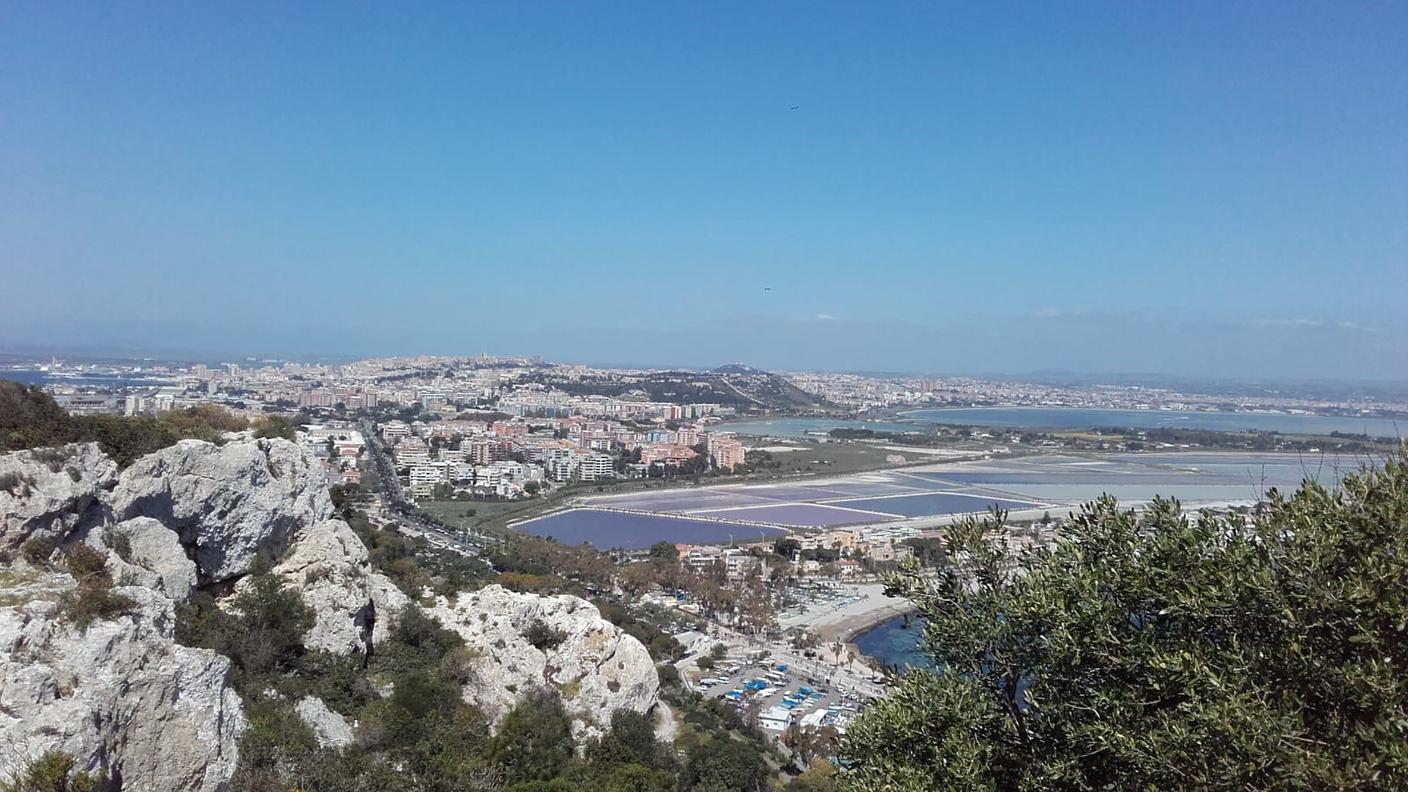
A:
[1198,190]
[84,355]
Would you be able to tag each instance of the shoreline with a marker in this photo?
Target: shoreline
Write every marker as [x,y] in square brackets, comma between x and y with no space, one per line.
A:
[848,629]
[859,629]
[840,628]
[849,638]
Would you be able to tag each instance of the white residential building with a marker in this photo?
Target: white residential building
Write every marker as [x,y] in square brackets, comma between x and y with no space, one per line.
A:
[424,477]
[597,466]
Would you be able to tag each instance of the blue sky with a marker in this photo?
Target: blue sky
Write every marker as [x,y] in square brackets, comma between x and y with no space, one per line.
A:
[1210,188]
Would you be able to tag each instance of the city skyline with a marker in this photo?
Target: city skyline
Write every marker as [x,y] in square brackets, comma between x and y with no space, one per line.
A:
[687,353]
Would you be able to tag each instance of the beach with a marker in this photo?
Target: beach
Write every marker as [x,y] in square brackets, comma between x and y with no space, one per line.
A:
[833,624]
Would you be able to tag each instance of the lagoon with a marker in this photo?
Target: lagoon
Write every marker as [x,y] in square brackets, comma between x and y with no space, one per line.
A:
[1084,418]
[802,427]
[628,531]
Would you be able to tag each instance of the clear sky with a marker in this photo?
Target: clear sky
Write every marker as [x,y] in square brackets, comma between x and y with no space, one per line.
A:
[1197,188]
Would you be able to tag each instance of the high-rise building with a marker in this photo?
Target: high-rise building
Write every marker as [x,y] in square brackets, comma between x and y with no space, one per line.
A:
[727,453]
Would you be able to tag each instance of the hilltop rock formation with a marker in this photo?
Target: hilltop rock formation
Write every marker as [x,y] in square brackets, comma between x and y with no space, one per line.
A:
[592,663]
[121,696]
[49,492]
[353,606]
[228,503]
[153,555]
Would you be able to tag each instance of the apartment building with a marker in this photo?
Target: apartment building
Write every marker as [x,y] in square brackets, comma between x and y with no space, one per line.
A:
[597,466]
[424,477]
[727,453]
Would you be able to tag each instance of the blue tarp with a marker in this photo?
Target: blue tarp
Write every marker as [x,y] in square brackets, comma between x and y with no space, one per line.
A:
[756,684]
[781,667]
[805,691]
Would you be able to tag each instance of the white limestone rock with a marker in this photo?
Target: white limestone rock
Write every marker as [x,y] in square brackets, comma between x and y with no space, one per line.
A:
[229,502]
[49,492]
[351,604]
[329,728]
[120,697]
[151,546]
[597,668]
[388,602]
[226,505]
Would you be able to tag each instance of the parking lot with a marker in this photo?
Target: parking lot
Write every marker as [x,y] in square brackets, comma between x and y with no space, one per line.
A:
[782,694]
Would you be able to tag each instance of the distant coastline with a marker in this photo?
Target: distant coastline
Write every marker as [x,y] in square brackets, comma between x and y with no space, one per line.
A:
[30,376]
[1038,418]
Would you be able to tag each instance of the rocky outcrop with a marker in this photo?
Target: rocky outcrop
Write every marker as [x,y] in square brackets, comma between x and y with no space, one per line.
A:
[228,503]
[48,493]
[388,603]
[595,666]
[121,696]
[154,549]
[329,566]
[329,728]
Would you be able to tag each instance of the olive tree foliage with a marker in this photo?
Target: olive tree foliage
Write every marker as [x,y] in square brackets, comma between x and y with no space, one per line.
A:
[1161,651]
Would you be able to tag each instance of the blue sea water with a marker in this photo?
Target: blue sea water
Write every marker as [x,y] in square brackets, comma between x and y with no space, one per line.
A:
[891,644]
[1081,418]
[35,377]
[801,427]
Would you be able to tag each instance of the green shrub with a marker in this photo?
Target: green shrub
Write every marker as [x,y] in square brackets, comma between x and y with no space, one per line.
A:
[93,598]
[29,418]
[52,458]
[1156,650]
[535,739]
[51,772]
[38,549]
[17,484]
[275,741]
[274,426]
[543,637]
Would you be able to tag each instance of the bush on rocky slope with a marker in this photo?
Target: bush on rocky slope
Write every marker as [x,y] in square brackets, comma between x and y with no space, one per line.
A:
[29,418]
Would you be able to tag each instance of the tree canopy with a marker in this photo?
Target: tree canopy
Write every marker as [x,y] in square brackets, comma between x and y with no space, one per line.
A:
[29,418]
[1161,651]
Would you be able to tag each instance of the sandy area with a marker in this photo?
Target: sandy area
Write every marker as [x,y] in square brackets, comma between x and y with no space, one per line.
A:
[841,623]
